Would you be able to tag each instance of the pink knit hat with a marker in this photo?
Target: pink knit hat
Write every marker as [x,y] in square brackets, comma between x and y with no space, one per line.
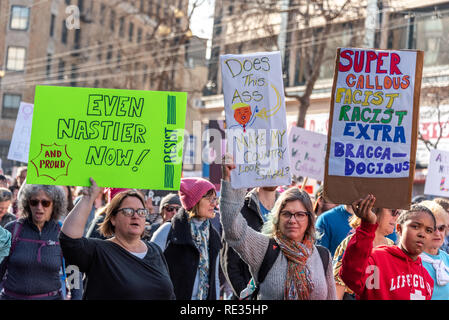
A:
[112,192]
[192,190]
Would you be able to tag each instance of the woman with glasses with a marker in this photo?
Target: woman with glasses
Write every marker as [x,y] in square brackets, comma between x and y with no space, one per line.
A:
[191,245]
[122,266]
[386,220]
[435,260]
[35,259]
[299,272]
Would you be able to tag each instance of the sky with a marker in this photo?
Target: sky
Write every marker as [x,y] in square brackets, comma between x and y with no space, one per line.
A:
[203,19]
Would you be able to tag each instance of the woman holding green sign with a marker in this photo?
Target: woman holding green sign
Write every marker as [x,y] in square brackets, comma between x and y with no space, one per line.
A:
[123,266]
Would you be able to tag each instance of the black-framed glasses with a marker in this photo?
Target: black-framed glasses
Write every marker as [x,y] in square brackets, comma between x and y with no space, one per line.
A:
[441,228]
[171,208]
[299,215]
[129,212]
[35,203]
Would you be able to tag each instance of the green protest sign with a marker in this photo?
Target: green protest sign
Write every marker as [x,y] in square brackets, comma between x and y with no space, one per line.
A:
[121,138]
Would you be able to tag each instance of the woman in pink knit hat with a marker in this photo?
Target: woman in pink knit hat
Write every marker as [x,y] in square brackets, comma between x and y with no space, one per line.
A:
[191,245]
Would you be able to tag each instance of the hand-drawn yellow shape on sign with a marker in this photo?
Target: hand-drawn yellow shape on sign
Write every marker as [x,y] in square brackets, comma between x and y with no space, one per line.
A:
[52,161]
[264,113]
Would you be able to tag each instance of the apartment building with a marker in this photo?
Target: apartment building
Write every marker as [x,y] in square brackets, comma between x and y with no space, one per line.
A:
[132,44]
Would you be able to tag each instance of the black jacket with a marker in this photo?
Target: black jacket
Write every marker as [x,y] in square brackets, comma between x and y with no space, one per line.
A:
[183,257]
[235,269]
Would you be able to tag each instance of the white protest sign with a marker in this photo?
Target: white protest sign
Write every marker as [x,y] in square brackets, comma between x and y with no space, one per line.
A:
[373,114]
[256,133]
[437,181]
[307,153]
[20,142]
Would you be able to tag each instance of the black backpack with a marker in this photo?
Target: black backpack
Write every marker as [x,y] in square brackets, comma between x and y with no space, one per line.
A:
[270,257]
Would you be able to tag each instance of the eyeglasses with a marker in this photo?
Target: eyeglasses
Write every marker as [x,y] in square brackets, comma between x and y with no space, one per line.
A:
[211,198]
[171,208]
[441,228]
[45,203]
[129,212]
[299,215]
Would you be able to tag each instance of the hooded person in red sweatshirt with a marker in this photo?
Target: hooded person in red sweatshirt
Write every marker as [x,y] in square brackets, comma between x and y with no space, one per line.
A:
[388,272]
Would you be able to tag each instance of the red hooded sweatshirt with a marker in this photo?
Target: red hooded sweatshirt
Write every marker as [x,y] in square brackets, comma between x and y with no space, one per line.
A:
[382,273]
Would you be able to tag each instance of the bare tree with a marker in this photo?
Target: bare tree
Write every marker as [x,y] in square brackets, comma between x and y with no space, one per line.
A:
[309,28]
[436,98]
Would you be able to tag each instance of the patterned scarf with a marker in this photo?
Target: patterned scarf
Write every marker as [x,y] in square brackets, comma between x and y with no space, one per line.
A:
[200,235]
[298,284]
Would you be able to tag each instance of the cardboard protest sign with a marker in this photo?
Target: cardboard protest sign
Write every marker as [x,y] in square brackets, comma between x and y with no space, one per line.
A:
[307,153]
[373,126]
[121,138]
[437,181]
[20,141]
[256,123]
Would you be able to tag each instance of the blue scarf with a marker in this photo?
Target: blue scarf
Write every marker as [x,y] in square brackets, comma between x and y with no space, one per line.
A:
[200,236]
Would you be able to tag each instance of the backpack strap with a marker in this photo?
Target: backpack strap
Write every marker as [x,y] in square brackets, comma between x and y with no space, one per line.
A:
[270,257]
[324,254]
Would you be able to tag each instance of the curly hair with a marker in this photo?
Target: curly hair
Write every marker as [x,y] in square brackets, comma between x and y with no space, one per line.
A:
[292,194]
[55,193]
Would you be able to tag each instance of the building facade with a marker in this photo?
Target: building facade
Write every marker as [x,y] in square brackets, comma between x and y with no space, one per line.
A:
[133,44]
[397,25]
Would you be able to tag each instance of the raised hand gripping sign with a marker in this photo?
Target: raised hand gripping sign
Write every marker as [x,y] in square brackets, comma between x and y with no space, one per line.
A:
[121,138]
[256,125]
[373,126]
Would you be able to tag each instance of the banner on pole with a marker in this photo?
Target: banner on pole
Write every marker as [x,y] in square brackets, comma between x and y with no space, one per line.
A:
[373,126]
[437,180]
[256,123]
[20,141]
[121,138]
[307,153]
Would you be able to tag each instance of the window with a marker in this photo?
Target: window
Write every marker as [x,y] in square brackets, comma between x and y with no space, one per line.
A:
[121,30]
[77,39]
[109,54]
[64,33]
[52,25]
[19,18]
[16,59]
[11,103]
[99,50]
[131,31]
[48,65]
[73,75]
[102,10]
[61,68]
[139,35]
[112,20]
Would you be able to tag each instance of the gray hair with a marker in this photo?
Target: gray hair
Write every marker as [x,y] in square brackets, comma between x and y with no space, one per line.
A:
[271,226]
[55,193]
[5,195]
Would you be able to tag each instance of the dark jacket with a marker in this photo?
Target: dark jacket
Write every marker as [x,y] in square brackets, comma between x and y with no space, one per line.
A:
[183,257]
[235,269]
